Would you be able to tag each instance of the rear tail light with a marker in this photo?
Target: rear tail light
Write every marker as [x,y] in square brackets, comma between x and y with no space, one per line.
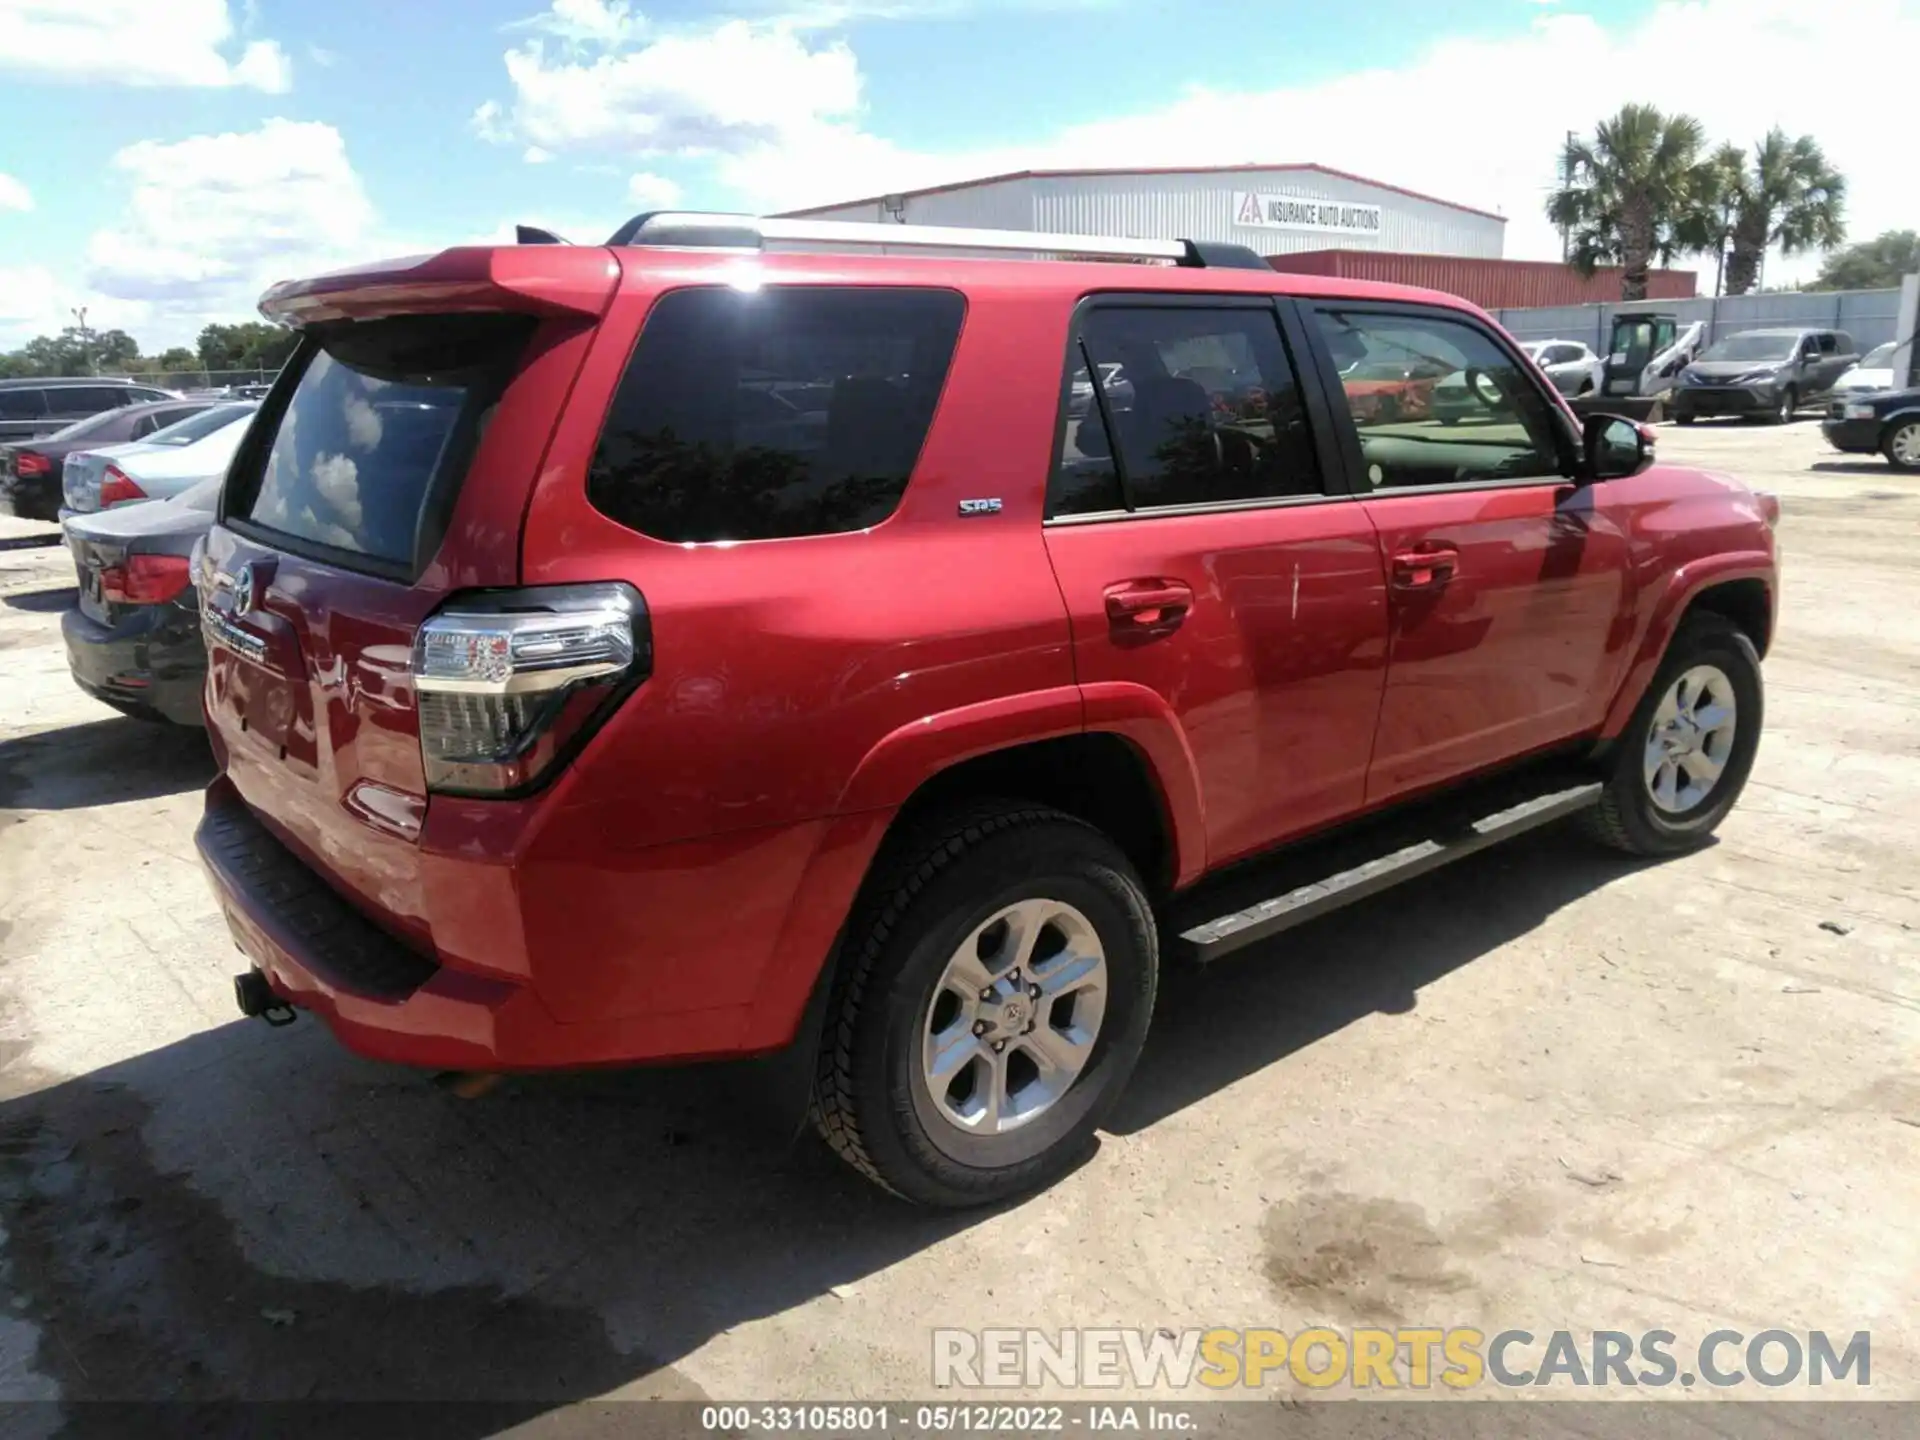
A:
[510,683]
[116,486]
[145,580]
[29,463]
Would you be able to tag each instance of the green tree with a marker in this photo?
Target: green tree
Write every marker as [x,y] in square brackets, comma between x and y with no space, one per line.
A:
[114,350]
[1639,190]
[1875,264]
[249,345]
[1785,195]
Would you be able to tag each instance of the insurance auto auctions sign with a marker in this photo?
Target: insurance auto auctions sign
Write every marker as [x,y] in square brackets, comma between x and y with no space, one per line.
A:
[1305,212]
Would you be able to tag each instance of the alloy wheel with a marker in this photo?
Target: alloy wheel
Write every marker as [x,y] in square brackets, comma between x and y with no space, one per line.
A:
[1690,739]
[1014,1017]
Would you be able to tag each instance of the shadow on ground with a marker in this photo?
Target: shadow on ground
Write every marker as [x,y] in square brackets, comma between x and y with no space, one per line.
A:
[1857,467]
[43,602]
[102,762]
[252,1213]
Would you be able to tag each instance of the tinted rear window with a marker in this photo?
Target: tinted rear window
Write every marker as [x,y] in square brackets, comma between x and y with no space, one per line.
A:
[757,415]
[384,412]
[22,404]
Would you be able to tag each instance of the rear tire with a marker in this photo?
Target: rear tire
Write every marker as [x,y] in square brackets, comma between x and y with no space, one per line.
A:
[1683,419]
[1902,445]
[936,1092]
[1672,778]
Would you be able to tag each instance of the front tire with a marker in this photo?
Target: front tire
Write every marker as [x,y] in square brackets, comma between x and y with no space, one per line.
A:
[1681,763]
[1902,446]
[1682,418]
[993,997]
[1789,403]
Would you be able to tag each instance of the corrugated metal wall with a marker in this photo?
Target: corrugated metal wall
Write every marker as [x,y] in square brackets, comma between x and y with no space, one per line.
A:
[1192,205]
[1868,316]
[1200,206]
[1487,283]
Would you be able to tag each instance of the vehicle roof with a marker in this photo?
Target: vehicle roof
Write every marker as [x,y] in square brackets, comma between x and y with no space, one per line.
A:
[372,289]
[45,382]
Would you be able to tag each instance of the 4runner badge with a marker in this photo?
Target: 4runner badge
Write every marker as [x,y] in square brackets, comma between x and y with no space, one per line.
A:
[980,507]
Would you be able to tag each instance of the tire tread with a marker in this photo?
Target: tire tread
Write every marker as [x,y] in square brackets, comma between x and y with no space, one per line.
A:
[919,859]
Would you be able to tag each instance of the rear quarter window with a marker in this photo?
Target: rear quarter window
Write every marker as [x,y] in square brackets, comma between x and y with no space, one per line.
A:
[364,458]
[759,415]
[22,404]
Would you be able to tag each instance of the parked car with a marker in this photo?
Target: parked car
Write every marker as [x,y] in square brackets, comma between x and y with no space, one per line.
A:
[1572,367]
[1761,374]
[1874,372]
[165,463]
[30,471]
[32,408]
[1886,422]
[134,641]
[556,727]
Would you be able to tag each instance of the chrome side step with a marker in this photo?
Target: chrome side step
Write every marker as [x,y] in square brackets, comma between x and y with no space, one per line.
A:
[1401,852]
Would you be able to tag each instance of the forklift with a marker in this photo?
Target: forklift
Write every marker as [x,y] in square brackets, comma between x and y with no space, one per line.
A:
[1647,350]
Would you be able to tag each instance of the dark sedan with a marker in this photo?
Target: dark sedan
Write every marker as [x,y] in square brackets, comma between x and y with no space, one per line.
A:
[134,641]
[1886,422]
[30,469]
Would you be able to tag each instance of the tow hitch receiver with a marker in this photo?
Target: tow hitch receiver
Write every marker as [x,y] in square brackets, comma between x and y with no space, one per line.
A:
[255,996]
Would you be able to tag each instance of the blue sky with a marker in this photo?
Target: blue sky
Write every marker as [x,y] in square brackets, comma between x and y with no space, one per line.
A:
[164,159]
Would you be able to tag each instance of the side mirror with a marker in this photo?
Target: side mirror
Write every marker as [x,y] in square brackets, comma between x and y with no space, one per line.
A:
[1613,447]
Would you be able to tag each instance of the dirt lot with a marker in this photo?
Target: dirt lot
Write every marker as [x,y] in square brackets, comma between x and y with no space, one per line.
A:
[1543,1089]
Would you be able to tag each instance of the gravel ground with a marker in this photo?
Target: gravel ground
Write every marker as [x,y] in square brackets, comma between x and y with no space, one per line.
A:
[1544,1088]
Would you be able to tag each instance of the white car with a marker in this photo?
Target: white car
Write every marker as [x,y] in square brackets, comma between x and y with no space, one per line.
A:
[1572,367]
[1874,372]
[164,464]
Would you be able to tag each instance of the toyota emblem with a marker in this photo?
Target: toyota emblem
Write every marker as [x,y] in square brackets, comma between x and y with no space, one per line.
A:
[243,591]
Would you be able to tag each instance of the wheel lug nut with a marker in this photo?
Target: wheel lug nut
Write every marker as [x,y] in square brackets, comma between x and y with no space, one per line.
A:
[998,1046]
[1034,991]
[987,994]
[979,1027]
[1014,978]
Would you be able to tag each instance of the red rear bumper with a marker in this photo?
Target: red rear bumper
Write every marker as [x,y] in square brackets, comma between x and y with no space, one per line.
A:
[387,1001]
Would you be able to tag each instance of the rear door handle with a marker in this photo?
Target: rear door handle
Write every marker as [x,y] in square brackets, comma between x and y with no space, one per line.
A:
[1148,604]
[1419,568]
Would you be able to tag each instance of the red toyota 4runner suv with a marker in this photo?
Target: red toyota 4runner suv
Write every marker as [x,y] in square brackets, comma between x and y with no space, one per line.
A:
[692,647]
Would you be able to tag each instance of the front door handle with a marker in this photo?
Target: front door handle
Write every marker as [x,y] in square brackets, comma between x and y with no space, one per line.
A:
[1418,569]
[1148,604]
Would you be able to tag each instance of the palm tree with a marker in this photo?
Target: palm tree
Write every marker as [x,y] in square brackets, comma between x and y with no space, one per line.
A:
[1788,196]
[1636,192]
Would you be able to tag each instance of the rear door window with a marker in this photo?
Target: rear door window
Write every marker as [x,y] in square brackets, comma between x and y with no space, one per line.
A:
[770,414]
[1202,401]
[89,399]
[385,411]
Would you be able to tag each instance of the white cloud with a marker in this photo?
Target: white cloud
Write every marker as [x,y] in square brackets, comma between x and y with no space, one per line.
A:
[14,195]
[598,22]
[774,106]
[212,220]
[723,90]
[655,192]
[364,427]
[337,479]
[136,42]
[536,156]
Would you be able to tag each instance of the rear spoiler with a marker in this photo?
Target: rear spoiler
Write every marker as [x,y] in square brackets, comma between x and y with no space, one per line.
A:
[537,280]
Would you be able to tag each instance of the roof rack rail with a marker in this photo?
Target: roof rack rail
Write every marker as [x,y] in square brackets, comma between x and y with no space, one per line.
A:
[688,229]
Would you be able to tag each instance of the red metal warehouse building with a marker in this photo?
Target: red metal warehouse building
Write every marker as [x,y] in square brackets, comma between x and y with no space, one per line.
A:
[1490,284]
